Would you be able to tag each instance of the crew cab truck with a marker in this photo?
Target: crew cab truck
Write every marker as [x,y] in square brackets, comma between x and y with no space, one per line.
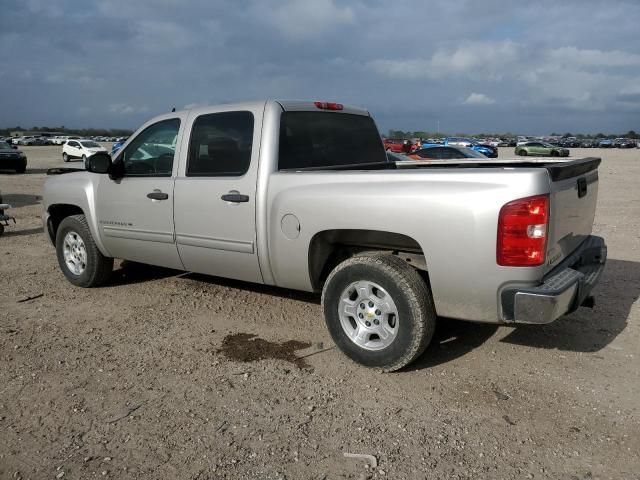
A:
[301,195]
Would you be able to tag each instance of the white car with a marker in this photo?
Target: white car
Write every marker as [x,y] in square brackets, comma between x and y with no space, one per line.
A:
[80,149]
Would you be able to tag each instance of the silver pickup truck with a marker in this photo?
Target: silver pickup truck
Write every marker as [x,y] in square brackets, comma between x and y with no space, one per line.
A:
[302,195]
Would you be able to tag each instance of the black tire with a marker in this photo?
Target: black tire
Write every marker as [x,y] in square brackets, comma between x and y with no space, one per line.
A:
[416,312]
[555,153]
[21,169]
[65,157]
[1,229]
[98,267]
[522,153]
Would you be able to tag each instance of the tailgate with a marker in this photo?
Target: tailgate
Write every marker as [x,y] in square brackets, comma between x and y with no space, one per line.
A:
[574,192]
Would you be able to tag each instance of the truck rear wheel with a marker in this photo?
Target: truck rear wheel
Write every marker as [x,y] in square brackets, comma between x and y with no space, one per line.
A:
[379,311]
[78,256]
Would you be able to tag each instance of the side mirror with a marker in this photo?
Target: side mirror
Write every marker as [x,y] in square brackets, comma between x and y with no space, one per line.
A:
[99,163]
[116,172]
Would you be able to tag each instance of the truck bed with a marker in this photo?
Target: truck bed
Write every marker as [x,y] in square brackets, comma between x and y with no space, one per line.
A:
[558,168]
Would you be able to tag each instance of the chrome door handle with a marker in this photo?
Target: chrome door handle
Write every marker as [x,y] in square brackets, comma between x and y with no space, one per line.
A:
[157,195]
[235,197]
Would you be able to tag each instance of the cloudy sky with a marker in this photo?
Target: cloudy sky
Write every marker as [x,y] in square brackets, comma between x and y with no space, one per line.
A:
[490,65]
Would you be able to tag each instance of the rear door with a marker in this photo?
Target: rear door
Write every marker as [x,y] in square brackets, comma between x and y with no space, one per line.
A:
[215,194]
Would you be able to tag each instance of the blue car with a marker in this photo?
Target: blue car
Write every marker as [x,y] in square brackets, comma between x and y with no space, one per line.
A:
[486,150]
[115,147]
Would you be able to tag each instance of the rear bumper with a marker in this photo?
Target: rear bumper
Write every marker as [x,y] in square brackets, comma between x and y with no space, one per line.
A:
[562,291]
[13,163]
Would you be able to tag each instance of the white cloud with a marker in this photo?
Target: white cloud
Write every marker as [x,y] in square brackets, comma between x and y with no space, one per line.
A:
[479,99]
[73,74]
[481,59]
[125,109]
[594,58]
[298,19]
[161,36]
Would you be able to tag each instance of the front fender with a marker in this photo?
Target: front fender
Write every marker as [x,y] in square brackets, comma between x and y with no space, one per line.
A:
[77,190]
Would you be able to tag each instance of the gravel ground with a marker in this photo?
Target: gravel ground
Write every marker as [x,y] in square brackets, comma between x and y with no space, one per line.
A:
[152,376]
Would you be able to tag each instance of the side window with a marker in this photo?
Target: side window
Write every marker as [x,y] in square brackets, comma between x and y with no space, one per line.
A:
[437,153]
[449,153]
[429,153]
[221,145]
[151,153]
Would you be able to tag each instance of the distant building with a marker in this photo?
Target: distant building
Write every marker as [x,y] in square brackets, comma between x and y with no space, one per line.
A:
[22,133]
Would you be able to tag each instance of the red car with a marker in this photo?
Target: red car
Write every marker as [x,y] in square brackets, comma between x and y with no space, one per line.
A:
[398,145]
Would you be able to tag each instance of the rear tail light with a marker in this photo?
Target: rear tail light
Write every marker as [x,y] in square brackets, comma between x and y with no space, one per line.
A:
[328,105]
[522,232]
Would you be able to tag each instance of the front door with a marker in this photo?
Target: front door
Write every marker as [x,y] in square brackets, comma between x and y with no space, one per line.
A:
[215,204]
[73,149]
[135,213]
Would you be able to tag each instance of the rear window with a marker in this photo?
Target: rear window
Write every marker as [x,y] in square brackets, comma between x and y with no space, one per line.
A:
[322,139]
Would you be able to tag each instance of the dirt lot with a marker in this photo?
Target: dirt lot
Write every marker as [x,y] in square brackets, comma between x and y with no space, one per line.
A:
[145,378]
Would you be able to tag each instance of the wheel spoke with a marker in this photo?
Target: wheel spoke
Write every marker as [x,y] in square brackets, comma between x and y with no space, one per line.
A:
[359,335]
[364,292]
[383,333]
[386,307]
[349,309]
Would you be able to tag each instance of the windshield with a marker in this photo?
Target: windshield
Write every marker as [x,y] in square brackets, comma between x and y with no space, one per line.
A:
[90,144]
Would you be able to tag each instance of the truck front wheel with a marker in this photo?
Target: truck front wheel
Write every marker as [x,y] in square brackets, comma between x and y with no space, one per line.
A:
[78,256]
[379,311]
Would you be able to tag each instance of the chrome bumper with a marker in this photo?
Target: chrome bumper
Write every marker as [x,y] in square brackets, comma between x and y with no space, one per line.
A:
[562,291]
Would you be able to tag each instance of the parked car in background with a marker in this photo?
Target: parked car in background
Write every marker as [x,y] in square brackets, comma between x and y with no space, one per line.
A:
[459,141]
[541,149]
[522,139]
[624,143]
[397,145]
[483,148]
[488,151]
[589,143]
[25,140]
[444,152]
[81,149]
[570,142]
[606,143]
[116,146]
[12,159]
